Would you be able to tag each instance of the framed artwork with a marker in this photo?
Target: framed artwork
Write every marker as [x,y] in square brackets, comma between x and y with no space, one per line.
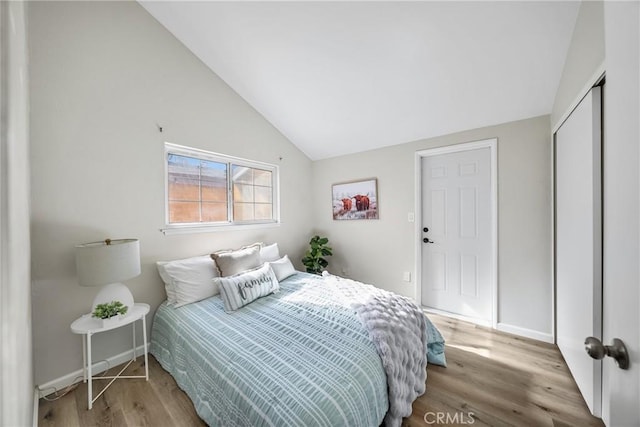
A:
[355,200]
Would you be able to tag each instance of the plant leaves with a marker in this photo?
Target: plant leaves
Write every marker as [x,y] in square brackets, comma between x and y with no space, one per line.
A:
[312,259]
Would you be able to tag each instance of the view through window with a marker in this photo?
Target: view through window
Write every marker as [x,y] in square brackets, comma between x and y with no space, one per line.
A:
[205,188]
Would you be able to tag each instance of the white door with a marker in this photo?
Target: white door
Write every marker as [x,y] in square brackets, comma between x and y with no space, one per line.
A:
[578,250]
[621,388]
[457,232]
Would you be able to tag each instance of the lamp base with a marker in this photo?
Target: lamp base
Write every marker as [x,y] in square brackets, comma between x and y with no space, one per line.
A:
[113,292]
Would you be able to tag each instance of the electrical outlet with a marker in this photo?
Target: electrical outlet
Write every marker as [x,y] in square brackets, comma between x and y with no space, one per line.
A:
[406,276]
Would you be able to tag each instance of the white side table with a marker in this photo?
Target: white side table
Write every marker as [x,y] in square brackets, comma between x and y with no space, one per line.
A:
[88,326]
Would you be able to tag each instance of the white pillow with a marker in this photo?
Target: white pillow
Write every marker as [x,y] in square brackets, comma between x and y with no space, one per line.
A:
[168,283]
[189,280]
[241,289]
[269,253]
[234,262]
[283,268]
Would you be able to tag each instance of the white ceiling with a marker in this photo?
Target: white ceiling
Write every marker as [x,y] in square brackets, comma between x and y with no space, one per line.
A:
[343,77]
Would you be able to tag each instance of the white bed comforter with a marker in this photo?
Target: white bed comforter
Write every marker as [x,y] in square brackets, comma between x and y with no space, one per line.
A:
[397,327]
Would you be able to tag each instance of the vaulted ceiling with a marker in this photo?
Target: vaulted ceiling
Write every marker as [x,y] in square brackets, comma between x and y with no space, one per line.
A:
[343,77]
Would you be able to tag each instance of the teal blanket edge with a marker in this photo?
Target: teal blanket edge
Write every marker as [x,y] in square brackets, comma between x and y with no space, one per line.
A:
[435,345]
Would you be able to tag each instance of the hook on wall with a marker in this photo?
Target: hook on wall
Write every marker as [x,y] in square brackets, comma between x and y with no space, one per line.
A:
[159,127]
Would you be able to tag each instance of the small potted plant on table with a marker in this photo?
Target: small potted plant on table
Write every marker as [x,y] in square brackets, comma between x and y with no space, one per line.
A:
[110,312]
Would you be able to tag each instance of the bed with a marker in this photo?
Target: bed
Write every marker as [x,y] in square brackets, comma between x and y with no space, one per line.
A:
[298,357]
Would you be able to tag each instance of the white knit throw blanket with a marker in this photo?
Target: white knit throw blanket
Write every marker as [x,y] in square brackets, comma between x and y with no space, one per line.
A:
[397,327]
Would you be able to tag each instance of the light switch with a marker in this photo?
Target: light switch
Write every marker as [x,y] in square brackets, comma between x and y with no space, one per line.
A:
[411,217]
[406,276]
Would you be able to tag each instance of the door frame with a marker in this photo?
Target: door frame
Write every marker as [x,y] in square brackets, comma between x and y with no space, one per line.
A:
[492,144]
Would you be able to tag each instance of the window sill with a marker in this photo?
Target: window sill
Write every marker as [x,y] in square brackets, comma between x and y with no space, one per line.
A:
[192,229]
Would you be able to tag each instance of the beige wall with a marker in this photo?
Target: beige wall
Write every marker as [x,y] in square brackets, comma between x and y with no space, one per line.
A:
[104,75]
[584,58]
[16,369]
[379,251]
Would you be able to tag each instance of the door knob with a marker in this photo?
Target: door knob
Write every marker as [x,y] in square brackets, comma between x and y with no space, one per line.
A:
[426,230]
[426,240]
[617,350]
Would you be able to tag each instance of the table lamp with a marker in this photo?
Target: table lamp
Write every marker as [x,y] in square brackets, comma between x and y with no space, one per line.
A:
[106,264]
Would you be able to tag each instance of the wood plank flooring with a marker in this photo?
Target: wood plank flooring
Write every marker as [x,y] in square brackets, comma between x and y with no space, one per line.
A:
[502,379]
[492,379]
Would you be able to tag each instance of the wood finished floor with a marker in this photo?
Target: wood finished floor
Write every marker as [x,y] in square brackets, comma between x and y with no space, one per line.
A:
[492,379]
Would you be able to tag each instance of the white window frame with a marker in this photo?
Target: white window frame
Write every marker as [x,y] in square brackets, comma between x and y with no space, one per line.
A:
[200,227]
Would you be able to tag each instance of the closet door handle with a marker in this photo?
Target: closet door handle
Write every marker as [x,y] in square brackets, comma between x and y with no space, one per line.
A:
[617,350]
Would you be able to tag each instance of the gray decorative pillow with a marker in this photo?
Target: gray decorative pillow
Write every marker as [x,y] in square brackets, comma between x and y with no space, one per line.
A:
[241,289]
[234,262]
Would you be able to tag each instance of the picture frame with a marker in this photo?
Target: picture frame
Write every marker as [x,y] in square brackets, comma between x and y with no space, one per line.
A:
[355,200]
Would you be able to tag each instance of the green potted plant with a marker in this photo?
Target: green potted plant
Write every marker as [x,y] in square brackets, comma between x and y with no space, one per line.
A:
[313,258]
[110,312]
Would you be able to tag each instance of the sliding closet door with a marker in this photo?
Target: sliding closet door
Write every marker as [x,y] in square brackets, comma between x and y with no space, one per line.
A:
[578,181]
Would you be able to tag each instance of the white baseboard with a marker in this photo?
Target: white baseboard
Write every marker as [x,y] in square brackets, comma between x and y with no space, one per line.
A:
[516,330]
[527,333]
[76,376]
[480,322]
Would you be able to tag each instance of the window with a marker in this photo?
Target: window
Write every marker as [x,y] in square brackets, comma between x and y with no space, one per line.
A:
[205,189]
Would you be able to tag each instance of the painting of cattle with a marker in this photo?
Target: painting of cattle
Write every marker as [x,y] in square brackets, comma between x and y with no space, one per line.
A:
[355,200]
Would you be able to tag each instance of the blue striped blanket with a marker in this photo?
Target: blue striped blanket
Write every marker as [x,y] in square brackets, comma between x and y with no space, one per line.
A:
[300,357]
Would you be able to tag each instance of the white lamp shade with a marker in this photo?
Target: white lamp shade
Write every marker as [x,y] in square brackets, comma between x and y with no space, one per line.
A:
[99,263]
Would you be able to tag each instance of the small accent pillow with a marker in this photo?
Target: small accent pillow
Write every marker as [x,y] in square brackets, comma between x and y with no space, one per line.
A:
[283,268]
[241,289]
[269,253]
[234,262]
[189,280]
